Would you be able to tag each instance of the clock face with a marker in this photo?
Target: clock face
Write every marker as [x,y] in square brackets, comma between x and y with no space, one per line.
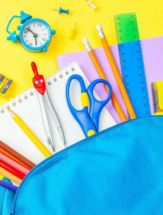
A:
[35,34]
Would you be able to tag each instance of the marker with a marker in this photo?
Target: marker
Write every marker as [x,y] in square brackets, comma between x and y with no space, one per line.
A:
[116,73]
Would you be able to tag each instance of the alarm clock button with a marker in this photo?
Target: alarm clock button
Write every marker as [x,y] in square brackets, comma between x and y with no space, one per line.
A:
[19,27]
[44,49]
[53,32]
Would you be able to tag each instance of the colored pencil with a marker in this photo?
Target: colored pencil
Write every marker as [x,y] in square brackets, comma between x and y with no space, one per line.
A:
[13,158]
[16,155]
[116,73]
[10,176]
[103,76]
[30,134]
[8,186]
[14,164]
[11,170]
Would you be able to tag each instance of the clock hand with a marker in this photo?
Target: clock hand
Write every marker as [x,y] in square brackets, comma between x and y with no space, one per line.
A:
[30,31]
[34,34]
[36,41]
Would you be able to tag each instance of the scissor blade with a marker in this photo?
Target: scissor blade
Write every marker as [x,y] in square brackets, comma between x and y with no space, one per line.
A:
[55,116]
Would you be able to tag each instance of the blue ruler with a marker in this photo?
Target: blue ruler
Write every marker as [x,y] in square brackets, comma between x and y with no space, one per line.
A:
[132,65]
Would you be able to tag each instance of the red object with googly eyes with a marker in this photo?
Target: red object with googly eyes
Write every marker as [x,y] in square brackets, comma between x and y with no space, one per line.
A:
[38,80]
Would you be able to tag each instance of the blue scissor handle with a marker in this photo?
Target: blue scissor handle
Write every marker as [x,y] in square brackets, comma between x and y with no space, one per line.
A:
[82,116]
[95,105]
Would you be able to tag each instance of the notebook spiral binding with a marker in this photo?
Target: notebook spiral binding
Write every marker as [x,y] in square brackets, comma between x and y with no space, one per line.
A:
[59,74]
[18,99]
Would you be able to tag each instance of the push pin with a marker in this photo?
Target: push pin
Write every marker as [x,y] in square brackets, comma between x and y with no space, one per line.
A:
[62,11]
[72,32]
[91,4]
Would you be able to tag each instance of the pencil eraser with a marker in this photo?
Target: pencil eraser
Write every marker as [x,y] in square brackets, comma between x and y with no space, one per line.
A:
[98,27]
[85,40]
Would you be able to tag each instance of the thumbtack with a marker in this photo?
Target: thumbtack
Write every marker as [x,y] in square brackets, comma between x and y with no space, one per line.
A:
[72,32]
[62,11]
[91,4]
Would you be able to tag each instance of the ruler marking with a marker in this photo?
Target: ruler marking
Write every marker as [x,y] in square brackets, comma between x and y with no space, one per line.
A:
[131,60]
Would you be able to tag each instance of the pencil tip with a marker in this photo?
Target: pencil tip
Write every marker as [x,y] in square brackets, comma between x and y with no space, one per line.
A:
[11,112]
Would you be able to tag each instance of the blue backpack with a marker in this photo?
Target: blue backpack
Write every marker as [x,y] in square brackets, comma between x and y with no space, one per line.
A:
[117,172]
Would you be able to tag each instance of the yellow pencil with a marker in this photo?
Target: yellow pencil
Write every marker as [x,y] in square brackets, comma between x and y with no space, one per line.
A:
[10,176]
[30,134]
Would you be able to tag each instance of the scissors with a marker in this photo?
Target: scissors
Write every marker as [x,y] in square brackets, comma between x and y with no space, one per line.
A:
[88,120]
[40,85]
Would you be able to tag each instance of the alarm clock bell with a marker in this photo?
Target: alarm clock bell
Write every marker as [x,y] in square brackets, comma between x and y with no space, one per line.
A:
[23,18]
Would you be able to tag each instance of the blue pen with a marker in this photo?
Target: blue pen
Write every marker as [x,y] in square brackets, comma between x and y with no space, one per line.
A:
[62,11]
[88,120]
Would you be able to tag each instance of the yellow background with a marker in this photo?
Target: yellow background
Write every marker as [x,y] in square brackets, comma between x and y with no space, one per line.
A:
[15,61]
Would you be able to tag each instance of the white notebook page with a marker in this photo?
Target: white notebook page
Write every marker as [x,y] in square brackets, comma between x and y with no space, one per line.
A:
[28,108]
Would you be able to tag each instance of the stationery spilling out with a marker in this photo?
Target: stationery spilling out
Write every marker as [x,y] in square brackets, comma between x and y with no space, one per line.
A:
[98,89]
[27,104]
[153,64]
[11,154]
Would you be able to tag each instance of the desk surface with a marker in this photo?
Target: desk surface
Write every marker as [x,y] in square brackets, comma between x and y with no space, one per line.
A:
[15,61]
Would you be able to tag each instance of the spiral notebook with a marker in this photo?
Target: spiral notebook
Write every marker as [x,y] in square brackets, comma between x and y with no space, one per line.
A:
[27,106]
